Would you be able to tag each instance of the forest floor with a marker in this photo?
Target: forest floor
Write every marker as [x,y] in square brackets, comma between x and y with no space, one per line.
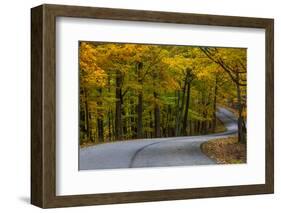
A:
[225,150]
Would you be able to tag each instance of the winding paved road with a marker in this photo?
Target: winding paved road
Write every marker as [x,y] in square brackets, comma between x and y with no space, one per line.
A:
[157,152]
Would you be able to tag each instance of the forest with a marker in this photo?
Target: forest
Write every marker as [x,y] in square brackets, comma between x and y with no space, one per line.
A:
[133,91]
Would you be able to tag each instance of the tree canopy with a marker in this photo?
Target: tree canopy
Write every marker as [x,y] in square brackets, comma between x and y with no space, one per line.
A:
[130,91]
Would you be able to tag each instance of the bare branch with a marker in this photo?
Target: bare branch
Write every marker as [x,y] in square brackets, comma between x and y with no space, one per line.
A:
[223,65]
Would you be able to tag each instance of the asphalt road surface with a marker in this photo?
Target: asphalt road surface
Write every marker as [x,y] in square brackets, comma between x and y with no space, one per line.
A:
[157,152]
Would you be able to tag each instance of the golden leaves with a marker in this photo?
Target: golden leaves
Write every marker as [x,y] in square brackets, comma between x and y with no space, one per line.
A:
[91,74]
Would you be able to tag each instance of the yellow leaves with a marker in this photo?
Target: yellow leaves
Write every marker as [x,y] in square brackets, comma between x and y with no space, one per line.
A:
[91,73]
[162,67]
[232,58]
[173,85]
[119,52]
[95,77]
[244,113]
[169,83]
[87,55]
[178,62]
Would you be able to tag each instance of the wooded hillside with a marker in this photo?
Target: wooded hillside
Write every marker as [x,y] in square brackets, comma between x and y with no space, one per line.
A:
[130,91]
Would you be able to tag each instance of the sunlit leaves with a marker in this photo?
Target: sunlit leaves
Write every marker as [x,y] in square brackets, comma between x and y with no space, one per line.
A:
[90,73]
[159,74]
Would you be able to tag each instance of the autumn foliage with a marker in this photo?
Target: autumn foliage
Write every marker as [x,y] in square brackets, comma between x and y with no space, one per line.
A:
[130,91]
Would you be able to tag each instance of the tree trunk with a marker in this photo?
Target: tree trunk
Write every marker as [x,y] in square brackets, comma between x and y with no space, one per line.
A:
[156,118]
[185,117]
[124,118]
[109,126]
[109,113]
[140,101]
[100,117]
[118,107]
[214,126]
[87,116]
[240,121]
[151,124]
[181,108]
[191,128]
[204,124]
[178,115]
[100,129]
[133,122]
[168,125]
[140,110]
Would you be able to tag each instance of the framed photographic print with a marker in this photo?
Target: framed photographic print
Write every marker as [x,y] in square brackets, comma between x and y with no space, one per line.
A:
[136,106]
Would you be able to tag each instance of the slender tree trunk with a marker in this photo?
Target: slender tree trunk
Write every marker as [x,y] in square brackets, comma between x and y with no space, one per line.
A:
[100,129]
[151,123]
[214,126]
[109,125]
[181,109]
[240,122]
[140,101]
[87,119]
[168,121]
[109,112]
[82,121]
[133,123]
[113,136]
[118,107]
[205,102]
[100,117]
[124,118]
[185,117]
[204,123]
[178,114]
[198,127]
[87,116]
[156,118]
[191,128]
[140,110]
[82,113]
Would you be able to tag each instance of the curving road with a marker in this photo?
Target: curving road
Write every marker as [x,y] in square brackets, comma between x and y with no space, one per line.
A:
[157,152]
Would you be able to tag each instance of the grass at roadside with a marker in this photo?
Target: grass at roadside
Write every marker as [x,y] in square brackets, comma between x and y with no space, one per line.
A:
[225,150]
